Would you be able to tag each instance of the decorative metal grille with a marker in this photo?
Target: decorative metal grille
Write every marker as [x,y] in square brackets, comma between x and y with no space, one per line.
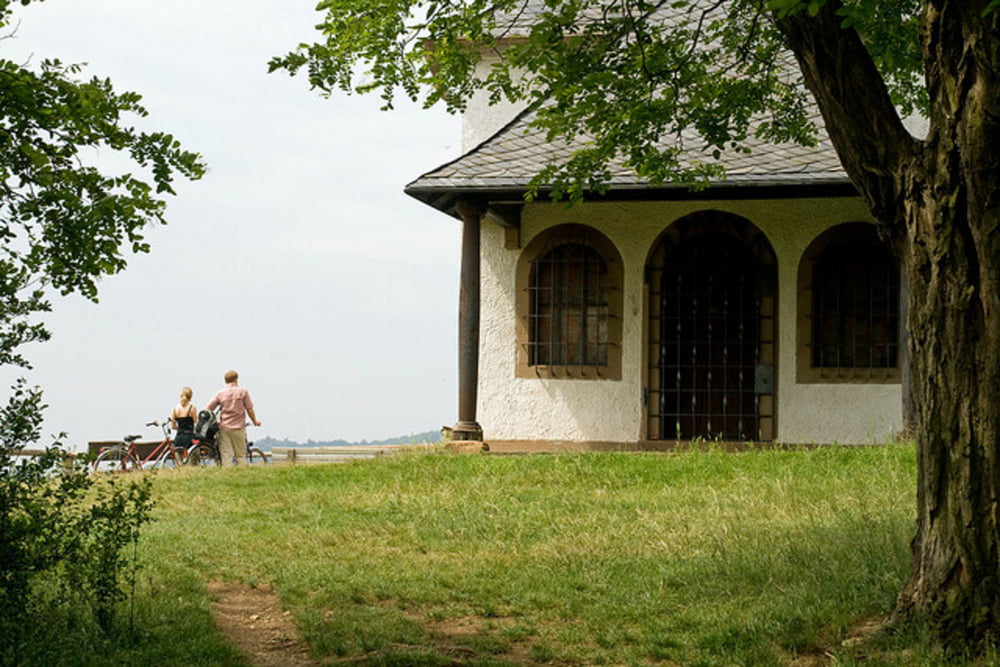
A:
[568,293]
[706,378]
[855,308]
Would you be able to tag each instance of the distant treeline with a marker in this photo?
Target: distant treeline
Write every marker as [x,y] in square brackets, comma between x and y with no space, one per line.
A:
[415,439]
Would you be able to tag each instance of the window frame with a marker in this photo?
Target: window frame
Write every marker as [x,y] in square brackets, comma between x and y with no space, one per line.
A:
[544,243]
[812,259]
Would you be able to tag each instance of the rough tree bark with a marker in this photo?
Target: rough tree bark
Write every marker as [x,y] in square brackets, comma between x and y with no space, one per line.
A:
[938,202]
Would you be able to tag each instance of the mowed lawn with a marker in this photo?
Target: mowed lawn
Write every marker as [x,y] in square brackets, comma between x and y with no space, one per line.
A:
[700,558]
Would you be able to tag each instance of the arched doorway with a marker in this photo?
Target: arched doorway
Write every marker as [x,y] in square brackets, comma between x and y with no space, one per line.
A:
[711,331]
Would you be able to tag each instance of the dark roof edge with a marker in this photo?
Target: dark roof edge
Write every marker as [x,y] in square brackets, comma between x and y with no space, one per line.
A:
[444,199]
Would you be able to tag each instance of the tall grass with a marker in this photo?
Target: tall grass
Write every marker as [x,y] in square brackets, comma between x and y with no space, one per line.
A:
[700,558]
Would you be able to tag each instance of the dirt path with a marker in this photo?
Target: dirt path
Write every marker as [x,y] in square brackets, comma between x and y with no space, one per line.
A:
[252,619]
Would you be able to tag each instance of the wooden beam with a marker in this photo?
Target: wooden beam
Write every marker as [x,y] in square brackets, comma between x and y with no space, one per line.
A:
[507,216]
[467,428]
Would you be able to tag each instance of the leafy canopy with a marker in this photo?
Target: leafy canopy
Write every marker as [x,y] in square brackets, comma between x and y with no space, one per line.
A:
[640,81]
[64,223]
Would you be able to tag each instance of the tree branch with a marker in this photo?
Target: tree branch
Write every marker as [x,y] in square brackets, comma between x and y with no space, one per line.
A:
[861,121]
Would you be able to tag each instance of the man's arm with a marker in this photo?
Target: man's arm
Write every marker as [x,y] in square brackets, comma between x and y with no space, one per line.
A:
[248,406]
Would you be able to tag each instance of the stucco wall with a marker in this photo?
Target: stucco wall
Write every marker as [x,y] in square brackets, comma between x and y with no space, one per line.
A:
[512,408]
[480,120]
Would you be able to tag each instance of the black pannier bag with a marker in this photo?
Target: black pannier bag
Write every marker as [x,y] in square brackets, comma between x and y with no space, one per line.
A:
[207,426]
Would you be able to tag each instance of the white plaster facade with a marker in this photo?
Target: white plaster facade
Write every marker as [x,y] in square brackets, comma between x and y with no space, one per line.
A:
[546,410]
[611,411]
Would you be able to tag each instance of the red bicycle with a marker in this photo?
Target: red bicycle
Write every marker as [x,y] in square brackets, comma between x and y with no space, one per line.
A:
[125,457]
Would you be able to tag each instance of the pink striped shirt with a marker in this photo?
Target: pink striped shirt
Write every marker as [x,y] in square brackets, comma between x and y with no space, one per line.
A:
[235,402]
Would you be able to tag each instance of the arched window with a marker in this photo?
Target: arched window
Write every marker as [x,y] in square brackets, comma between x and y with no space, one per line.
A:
[849,307]
[569,305]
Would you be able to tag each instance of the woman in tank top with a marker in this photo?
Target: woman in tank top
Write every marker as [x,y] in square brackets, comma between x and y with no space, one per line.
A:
[182,419]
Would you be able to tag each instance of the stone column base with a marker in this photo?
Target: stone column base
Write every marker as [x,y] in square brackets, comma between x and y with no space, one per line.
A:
[467,431]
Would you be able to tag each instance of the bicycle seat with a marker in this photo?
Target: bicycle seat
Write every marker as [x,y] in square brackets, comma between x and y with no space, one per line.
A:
[129,439]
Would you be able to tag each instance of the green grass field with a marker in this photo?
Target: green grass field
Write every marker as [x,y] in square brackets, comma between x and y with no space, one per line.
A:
[702,558]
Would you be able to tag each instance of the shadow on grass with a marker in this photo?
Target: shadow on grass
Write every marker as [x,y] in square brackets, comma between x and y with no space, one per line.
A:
[759,594]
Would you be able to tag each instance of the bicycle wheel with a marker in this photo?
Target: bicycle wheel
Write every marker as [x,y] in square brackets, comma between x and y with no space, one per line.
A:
[257,457]
[202,455]
[180,457]
[115,459]
[173,458]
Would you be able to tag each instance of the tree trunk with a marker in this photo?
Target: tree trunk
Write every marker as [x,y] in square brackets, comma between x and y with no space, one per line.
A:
[952,258]
[938,201]
[954,321]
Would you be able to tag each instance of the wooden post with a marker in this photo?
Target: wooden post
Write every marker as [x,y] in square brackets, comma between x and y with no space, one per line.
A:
[467,428]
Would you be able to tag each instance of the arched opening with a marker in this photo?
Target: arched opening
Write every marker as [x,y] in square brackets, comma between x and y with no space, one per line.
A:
[711,331]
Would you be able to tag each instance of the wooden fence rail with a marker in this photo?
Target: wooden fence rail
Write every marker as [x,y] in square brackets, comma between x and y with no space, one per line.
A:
[276,455]
[39,452]
[330,454]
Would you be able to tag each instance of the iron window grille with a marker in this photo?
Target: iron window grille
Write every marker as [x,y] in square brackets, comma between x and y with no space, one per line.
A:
[706,342]
[569,308]
[855,307]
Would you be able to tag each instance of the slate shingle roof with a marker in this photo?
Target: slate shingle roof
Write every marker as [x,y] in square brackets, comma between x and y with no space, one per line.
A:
[507,161]
[502,166]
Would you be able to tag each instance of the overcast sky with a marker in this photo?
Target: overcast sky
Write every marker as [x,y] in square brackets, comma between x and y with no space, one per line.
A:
[297,260]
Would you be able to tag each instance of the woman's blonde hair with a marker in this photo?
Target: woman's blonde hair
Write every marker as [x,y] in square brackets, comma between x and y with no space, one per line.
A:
[187,393]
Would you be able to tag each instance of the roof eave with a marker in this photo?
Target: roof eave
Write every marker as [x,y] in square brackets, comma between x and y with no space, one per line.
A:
[443,198]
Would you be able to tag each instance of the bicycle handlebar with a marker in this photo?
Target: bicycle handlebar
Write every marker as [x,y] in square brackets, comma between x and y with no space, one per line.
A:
[164,425]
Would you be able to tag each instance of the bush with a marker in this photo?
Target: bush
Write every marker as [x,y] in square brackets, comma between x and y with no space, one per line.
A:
[64,539]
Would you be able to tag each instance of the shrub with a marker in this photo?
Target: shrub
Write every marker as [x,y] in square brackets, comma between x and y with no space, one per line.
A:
[64,538]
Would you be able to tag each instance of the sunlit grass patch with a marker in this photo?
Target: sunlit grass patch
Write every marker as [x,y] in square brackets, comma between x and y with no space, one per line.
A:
[696,558]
